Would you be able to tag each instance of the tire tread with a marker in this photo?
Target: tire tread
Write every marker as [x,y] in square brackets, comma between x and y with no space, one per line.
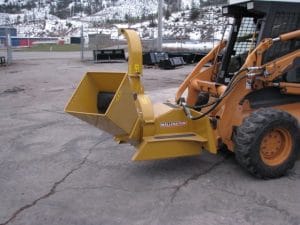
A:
[247,135]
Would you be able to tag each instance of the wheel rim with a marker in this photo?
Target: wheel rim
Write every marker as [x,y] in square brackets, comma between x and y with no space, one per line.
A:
[276,146]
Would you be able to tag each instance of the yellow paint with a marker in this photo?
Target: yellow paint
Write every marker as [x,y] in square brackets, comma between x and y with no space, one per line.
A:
[151,149]
[83,103]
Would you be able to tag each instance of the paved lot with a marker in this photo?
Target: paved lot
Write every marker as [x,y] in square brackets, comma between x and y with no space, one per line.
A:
[55,169]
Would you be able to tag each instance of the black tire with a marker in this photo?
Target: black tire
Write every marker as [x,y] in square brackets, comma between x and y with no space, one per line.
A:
[251,136]
[103,100]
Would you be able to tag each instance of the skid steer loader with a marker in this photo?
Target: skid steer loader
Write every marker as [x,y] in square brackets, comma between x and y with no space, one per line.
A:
[248,102]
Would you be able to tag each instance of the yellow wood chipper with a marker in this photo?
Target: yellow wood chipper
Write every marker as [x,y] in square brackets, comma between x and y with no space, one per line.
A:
[248,102]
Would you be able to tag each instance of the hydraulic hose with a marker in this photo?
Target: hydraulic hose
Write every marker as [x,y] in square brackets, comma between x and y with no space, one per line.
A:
[214,104]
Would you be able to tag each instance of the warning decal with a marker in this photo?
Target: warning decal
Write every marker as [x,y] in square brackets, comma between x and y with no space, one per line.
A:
[173,124]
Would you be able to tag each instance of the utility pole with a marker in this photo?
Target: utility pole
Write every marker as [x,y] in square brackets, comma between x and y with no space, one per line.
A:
[160,25]
[82,44]
[9,48]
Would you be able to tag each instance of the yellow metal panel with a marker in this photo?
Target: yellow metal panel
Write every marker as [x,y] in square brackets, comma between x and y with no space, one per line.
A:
[100,121]
[135,61]
[174,121]
[151,149]
[121,115]
[146,107]
[174,135]
[160,108]
[84,98]
[122,110]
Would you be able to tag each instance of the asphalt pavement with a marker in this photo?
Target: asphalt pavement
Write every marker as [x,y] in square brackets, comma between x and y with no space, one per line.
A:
[57,170]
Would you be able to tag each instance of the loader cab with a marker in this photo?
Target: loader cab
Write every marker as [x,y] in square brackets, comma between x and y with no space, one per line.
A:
[254,21]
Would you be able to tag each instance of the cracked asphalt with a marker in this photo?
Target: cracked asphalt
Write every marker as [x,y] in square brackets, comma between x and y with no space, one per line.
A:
[55,169]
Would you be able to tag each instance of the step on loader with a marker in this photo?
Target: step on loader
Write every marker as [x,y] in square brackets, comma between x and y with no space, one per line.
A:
[249,101]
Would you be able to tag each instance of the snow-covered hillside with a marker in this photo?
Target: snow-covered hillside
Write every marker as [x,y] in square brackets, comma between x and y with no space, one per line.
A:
[37,19]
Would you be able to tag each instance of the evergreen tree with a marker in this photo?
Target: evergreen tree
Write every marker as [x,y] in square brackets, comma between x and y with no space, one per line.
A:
[88,9]
[152,22]
[25,18]
[52,9]
[167,14]
[18,19]
[195,12]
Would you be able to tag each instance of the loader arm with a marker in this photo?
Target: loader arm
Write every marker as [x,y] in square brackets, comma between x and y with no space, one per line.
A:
[200,72]
[227,108]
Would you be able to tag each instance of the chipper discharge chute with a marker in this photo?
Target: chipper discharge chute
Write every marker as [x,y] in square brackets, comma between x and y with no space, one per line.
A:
[117,104]
[248,102]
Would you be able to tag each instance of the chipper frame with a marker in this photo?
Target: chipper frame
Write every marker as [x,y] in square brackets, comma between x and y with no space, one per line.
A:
[253,109]
[157,131]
